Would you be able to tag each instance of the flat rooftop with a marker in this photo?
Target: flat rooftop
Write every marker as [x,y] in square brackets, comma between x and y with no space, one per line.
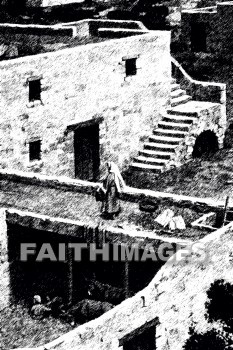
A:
[18,40]
[73,203]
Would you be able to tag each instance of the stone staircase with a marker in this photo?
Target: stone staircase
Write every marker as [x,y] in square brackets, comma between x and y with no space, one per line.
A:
[170,131]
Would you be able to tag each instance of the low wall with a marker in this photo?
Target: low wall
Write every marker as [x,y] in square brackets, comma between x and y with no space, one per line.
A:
[38,30]
[129,193]
[200,90]
[93,27]
[213,118]
[118,33]
[88,233]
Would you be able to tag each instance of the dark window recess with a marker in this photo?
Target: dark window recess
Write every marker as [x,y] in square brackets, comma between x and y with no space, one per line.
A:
[130,66]
[198,37]
[34,90]
[35,150]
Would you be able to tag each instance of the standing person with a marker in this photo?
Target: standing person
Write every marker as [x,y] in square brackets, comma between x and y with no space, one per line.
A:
[113,184]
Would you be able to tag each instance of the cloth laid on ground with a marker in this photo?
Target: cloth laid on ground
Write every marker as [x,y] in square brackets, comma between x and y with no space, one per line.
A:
[165,217]
[168,218]
[177,223]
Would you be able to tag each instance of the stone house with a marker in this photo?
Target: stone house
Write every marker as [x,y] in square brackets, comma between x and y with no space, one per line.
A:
[68,112]
[208,30]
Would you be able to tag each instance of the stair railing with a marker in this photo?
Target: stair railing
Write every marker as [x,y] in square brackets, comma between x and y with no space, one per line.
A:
[199,90]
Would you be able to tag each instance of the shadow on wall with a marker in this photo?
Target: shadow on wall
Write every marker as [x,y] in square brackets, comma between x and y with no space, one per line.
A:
[206,144]
[228,141]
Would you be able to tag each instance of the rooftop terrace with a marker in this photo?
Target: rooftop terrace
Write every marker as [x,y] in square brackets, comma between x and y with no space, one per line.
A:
[74,200]
[17,40]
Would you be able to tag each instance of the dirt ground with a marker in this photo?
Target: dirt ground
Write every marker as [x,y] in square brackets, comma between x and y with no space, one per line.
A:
[18,329]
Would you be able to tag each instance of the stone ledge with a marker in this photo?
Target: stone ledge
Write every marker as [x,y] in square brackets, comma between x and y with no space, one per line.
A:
[129,194]
[88,232]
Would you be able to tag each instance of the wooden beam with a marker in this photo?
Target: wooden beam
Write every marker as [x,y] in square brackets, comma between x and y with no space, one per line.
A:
[70,276]
[126,278]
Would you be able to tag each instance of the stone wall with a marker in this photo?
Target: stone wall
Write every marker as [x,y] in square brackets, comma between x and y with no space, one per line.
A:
[89,233]
[23,40]
[131,194]
[218,26]
[208,119]
[177,6]
[94,27]
[209,116]
[36,30]
[211,23]
[81,84]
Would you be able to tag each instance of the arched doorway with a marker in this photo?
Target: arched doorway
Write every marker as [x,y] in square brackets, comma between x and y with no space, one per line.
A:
[206,143]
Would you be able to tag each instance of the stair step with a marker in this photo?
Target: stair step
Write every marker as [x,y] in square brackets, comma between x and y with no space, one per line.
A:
[175,126]
[150,160]
[159,146]
[175,87]
[168,132]
[180,100]
[177,93]
[146,167]
[165,139]
[180,113]
[156,154]
[185,119]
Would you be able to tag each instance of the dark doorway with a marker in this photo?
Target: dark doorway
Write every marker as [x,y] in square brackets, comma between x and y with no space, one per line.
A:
[142,338]
[198,37]
[206,144]
[86,152]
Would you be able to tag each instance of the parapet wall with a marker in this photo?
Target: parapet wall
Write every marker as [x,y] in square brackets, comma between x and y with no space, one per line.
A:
[129,193]
[200,90]
[83,28]
[23,40]
[94,27]
[38,30]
